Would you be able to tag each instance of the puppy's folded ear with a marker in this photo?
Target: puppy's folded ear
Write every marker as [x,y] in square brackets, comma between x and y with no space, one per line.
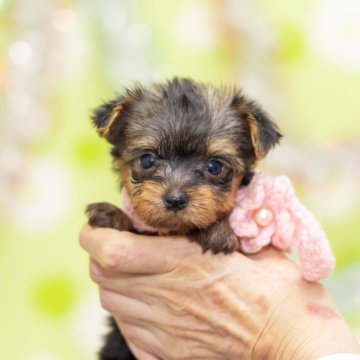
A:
[110,117]
[263,132]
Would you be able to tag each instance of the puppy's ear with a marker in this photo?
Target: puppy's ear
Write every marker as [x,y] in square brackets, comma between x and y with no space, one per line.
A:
[263,132]
[110,117]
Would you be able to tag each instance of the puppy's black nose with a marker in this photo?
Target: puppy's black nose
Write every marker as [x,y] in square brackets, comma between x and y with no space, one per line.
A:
[175,200]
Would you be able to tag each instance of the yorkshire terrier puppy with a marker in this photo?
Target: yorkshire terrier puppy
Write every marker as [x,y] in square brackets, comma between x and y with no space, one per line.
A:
[183,149]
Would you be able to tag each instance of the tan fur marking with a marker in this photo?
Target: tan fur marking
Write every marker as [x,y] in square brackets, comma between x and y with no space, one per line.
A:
[202,209]
[254,131]
[222,146]
[125,176]
[142,143]
[259,153]
[149,205]
[104,131]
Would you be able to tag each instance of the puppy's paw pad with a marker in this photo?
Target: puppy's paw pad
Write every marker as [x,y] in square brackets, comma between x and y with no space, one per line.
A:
[218,238]
[225,245]
[107,216]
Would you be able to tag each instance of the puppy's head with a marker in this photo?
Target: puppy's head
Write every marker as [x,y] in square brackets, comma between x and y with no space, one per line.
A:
[183,149]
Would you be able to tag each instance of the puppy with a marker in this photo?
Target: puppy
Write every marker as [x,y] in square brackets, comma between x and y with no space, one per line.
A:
[183,149]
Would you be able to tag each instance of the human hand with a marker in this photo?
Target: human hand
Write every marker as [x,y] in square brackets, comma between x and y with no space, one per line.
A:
[171,301]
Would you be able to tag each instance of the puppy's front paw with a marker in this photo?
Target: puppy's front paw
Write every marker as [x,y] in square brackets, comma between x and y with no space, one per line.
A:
[107,216]
[218,238]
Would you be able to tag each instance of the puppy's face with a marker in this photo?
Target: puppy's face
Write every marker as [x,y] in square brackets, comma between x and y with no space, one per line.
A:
[183,150]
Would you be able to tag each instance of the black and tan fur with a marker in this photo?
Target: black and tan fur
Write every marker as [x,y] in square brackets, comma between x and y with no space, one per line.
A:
[184,130]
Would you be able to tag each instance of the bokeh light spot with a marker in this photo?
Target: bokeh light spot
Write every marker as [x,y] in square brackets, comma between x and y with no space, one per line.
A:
[90,151]
[114,16]
[194,27]
[54,296]
[334,33]
[292,43]
[3,4]
[139,35]
[64,19]
[42,198]
[20,52]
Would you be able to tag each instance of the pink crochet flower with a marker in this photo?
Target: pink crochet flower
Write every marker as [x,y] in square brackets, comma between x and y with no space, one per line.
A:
[268,212]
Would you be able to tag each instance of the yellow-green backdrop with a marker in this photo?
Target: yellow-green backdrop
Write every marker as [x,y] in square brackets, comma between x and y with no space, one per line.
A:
[60,58]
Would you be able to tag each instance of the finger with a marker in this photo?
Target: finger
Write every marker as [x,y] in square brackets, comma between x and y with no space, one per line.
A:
[125,284]
[102,277]
[129,253]
[141,354]
[141,340]
[126,308]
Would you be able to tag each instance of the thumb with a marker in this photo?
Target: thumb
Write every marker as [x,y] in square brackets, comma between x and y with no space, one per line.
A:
[135,254]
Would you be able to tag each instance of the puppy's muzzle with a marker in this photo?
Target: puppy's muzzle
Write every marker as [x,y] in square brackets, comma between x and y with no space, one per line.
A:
[175,200]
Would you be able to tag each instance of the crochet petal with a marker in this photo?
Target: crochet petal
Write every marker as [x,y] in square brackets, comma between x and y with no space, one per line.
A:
[281,193]
[252,196]
[315,254]
[255,244]
[250,246]
[285,227]
[265,235]
[245,227]
[267,183]
[238,215]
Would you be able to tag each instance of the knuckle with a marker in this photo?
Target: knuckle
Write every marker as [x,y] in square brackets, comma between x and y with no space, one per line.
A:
[217,295]
[83,236]
[96,273]
[129,331]
[106,300]
[113,255]
[180,353]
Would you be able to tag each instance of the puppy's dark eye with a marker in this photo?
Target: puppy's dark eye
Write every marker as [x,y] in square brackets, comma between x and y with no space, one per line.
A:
[147,161]
[214,167]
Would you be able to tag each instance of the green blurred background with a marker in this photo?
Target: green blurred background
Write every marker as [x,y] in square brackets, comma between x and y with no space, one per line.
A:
[60,58]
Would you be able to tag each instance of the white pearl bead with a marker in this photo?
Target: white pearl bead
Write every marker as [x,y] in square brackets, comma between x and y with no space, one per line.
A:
[263,216]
